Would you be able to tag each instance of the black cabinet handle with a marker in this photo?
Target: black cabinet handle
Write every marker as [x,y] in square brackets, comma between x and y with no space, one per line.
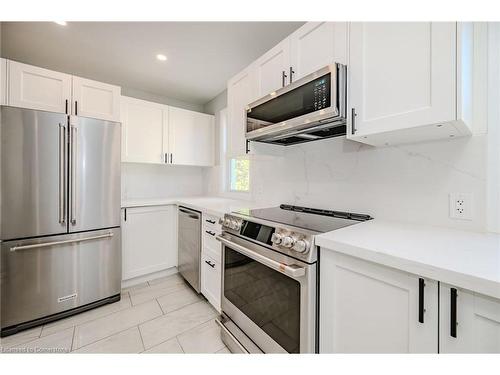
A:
[210,263]
[210,232]
[170,158]
[66,106]
[125,215]
[210,221]
[76,108]
[292,72]
[453,312]
[421,309]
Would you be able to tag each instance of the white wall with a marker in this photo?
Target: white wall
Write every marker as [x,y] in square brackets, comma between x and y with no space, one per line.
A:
[160,181]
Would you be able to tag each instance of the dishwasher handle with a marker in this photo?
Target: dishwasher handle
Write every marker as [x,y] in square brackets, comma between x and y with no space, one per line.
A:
[191,214]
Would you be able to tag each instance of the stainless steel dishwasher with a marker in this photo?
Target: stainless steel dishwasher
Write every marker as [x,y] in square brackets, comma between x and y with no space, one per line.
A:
[190,246]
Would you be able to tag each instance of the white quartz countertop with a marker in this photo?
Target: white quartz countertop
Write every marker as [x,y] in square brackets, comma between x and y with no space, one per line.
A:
[210,205]
[467,260]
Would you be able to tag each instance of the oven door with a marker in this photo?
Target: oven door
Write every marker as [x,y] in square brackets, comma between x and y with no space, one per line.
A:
[271,297]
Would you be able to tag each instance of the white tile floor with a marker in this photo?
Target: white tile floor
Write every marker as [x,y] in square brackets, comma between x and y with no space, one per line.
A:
[160,316]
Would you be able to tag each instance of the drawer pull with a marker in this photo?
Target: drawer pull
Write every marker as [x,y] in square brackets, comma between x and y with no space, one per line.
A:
[210,221]
[210,263]
[210,232]
[421,300]
[453,312]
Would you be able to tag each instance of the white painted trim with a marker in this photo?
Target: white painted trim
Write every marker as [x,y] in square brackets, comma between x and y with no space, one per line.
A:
[151,276]
[493,155]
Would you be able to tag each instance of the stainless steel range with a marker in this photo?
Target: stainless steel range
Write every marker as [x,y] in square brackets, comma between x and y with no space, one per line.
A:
[270,277]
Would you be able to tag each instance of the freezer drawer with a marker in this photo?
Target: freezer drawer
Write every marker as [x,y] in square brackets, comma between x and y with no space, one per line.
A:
[45,276]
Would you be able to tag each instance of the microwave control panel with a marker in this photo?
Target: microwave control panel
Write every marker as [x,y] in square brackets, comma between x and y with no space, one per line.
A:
[320,94]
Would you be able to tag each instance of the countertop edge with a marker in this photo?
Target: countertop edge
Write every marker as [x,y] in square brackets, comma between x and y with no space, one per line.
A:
[476,284]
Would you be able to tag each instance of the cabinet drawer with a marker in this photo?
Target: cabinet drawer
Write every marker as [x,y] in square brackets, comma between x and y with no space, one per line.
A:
[214,253]
[209,240]
[211,280]
[211,223]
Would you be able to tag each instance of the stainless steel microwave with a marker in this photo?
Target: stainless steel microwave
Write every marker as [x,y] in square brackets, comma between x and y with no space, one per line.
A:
[313,107]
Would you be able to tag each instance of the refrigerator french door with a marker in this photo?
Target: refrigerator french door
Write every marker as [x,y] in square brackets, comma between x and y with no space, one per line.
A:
[60,216]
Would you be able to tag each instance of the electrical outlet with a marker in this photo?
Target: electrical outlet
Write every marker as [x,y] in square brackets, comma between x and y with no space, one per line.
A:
[461,206]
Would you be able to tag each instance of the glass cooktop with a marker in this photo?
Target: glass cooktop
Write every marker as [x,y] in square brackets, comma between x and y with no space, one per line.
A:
[312,219]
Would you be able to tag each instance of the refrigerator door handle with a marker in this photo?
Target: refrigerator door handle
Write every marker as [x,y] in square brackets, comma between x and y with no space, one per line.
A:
[74,154]
[62,173]
[47,244]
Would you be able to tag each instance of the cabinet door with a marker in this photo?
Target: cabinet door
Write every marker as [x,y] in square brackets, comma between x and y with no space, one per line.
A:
[273,69]
[317,44]
[95,99]
[475,317]
[37,88]
[211,280]
[191,137]
[241,91]
[143,126]
[3,81]
[401,75]
[369,308]
[149,240]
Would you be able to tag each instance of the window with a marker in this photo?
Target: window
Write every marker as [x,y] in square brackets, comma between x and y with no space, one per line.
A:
[239,175]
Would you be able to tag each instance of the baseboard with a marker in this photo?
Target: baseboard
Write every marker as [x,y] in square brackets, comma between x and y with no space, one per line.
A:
[148,277]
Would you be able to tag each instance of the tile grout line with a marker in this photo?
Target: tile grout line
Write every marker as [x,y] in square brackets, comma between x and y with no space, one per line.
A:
[181,333]
[142,339]
[178,342]
[73,339]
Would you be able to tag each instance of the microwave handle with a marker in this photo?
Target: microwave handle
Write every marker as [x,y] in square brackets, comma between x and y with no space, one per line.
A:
[283,78]
[292,271]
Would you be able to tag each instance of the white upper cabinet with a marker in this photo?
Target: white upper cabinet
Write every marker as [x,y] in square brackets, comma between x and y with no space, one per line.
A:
[315,45]
[95,99]
[241,90]
[160,134]
[32,87]
[369,308]
[403,81]
[37,88]
[3,81]
[191,137]
[143,125]
[273,69]
[469,322]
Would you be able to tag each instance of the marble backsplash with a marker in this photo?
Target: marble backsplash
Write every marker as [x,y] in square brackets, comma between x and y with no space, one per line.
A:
[408,183]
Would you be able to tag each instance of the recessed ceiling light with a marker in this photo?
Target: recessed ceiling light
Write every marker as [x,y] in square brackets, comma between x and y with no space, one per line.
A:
[161,57]
[62,23]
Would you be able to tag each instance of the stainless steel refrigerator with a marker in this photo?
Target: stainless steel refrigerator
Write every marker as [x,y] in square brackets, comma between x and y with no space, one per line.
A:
[60,216]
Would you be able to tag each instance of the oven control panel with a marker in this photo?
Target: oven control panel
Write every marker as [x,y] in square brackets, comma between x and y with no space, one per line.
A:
[279,237]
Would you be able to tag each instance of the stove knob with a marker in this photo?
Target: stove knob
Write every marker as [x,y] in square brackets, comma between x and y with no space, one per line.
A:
[288,241]
[237,225]
[221,221]
[301,246]
[276,238]
[233,224]
[227,222]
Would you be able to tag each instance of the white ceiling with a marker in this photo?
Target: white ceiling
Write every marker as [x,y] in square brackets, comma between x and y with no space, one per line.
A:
[201,55]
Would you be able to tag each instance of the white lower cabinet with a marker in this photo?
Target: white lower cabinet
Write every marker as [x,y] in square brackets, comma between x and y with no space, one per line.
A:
[211,261]
[469,322]
[149,240]
[369,308]
[211,276]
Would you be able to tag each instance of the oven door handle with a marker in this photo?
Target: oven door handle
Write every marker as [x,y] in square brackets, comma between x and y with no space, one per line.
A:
[289,270]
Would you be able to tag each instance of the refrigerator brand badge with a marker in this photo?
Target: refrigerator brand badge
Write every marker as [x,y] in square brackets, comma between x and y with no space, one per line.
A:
[66,298]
